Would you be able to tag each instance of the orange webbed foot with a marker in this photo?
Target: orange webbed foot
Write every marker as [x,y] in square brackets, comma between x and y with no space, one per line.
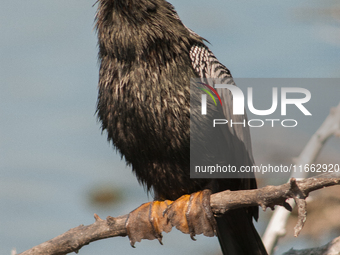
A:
[192,214]
[148,222]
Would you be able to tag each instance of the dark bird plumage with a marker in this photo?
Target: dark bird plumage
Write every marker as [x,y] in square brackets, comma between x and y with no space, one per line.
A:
[147,58]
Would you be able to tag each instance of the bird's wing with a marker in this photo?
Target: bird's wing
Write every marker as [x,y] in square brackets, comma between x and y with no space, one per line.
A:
[208,67]
[235,230]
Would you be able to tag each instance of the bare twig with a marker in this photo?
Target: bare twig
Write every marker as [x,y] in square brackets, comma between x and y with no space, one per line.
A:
[331,126]
[332,248]
[74,239]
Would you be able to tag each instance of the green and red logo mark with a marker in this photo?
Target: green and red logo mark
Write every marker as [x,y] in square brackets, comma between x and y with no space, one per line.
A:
[209,93]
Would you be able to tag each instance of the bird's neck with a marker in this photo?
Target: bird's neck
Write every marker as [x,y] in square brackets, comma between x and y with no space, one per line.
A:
[131,29]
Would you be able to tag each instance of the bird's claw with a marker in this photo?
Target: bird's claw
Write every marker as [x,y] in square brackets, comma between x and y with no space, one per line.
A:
[148,222]
[192,214]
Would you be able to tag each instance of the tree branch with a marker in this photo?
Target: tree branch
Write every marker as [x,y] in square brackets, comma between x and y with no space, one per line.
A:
[332,248]
[74,239]
[331,126]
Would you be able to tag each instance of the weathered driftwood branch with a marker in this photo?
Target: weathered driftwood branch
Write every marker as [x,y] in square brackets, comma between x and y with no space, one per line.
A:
[74,239]
[330,127]
[332,248]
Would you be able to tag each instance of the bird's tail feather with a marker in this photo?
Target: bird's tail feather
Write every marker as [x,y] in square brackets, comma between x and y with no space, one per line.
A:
[237,234]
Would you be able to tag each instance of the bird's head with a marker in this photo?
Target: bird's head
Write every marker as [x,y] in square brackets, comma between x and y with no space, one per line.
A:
[129,27]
